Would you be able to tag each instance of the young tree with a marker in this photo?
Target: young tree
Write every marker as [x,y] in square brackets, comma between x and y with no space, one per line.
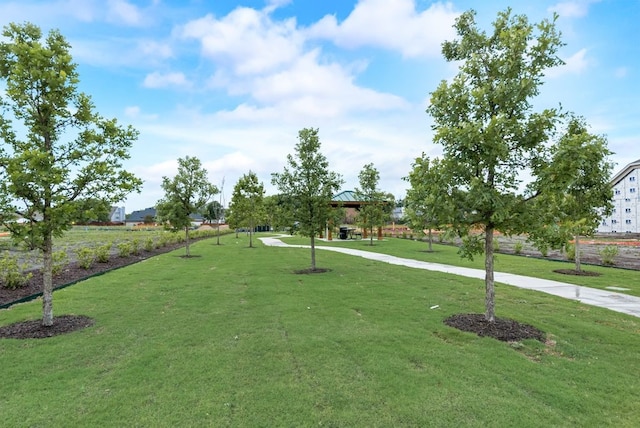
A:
[67,151]
[428,200]
[246,208]
[577,182]
[185,194]
[484,120]
[308,186]
[373,211]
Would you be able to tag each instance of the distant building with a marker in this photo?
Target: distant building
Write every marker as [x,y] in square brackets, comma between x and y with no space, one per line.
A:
[117,215]
[139,216]
[626,202]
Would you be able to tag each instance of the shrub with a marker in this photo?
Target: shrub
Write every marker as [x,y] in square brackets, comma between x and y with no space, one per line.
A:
[135,246]
[496,245]
[544,249]
[124,249]
[60,259]
[608,253]
[164,240]
[570,252]
[517,247]
[148,244]
[103,252]
[86,257]
[12,274]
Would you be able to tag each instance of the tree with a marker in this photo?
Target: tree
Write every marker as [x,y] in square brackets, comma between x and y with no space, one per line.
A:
[187,193]
[91,209]
[308,186]
[373,211]
[278,216]
[246,208]
[67,153]
[428,201]
[484,120]
[577,181]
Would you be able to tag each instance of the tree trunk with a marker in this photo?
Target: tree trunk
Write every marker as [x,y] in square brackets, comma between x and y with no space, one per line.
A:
[430,241]
[490,311]
[251,228]
[186,240]
[313,252]
[47,282]
[218,237]
[576,247]
[371,237]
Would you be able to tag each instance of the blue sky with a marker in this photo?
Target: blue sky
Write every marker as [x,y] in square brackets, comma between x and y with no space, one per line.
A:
[233,82]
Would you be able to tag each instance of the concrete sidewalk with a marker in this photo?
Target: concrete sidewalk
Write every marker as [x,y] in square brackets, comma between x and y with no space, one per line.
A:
[605,299]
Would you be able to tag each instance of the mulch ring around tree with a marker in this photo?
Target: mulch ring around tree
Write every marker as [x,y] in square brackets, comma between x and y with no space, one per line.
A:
[503,329]
[576,272]
[311,270]
[35,330]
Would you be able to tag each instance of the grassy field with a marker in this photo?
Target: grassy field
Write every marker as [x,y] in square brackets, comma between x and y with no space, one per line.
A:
[520,265]
[233,338]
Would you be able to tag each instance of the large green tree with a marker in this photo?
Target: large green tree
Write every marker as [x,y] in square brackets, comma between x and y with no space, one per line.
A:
[491,135]
[187,193]
[374,210]
[428,204]
[62,151]
[247,208]
[307,185]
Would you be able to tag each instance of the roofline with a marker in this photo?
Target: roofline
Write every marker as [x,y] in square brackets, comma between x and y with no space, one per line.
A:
[624,172]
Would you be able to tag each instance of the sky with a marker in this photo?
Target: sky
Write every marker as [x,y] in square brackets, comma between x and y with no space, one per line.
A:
[232,82]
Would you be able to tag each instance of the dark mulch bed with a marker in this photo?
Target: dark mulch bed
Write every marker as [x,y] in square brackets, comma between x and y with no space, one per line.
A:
[310,271]
[577,272]
[35,330]
[71,273]
[503,329]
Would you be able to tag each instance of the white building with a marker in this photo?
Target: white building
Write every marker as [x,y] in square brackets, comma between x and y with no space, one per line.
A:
[117,215]
[626,202]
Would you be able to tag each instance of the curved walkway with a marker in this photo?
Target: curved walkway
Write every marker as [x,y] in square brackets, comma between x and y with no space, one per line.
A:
[591,296]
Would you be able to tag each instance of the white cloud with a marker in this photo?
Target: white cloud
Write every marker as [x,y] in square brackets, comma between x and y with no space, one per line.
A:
[246,40]
[152,48]
[572,9]
[123,12]
[275,4]
[159,80]
[132,111]
[393,25]
[47,13]
[575,64]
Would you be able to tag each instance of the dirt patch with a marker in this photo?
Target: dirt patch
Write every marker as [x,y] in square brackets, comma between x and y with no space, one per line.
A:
[504,329]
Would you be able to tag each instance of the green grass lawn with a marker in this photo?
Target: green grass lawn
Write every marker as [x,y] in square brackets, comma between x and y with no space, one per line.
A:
[520,265]
[233,338]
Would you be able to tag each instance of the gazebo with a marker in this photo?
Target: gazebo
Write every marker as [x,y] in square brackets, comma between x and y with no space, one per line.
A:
[348,199]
